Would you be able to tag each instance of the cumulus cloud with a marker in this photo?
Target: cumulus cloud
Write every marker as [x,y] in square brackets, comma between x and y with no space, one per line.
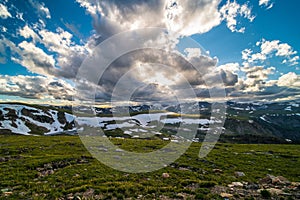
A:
[54,53]
[231,10]
[281,49]
[161,73]
[257,68]
[35,59]
[69,54]
[40,8]
[231,67]
[19,16]
[266,3]
[269,49]
[155,71]
[62,57]
[3,29]
[179,17]
[192,16]
[256,77]
[27,54]
[36,87]
[289,79]
[4,13]
[27,32]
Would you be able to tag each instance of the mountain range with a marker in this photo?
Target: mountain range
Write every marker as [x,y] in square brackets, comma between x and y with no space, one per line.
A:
[246,122]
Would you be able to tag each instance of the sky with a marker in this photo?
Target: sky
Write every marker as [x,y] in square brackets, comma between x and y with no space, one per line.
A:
[251,46]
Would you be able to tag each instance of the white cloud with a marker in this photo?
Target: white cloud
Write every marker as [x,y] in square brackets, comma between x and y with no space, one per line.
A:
[3,29]
[192,52]
[37,87]
[289,79]
[19,16]
[269,49]
[294,60]
[40,8]
[183,18]
[89,6]
[191,16]
[4,12]
[46,11]
[35,59]
[266,3]
[256,77]
[231,67]
[179,17]
[57,42]
[7,43]
[69,55]
[281,49]
[231,10]
[246,53]
[27,32]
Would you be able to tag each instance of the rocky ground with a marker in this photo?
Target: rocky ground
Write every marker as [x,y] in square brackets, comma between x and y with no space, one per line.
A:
[270,187]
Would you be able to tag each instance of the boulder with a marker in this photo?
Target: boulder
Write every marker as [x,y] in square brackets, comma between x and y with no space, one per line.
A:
[218,171]
[239,174]
[7,193]
[267,180]
[226,195]
[237,184]
[275,191]
[165,175]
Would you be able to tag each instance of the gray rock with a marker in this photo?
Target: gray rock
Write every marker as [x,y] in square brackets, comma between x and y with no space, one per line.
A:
[165,175]
[239,174]
[267,180]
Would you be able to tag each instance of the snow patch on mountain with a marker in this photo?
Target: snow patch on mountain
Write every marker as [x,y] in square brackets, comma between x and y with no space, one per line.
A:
[17,119]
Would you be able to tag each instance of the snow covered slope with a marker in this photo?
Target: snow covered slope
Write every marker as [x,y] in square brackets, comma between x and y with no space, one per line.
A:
[22,119]
[245,122]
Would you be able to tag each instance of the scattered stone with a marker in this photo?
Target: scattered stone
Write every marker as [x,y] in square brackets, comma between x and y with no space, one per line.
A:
[252,186]
[237,184]
[184,169]
[45,173]
[165,175]
[283,180]
[76,176]
[70,196]
[267,180]
[295,184]
[218,171]
[226,195]
[7,193]
[275,191]
[239,174]
[88,194]
[77,198]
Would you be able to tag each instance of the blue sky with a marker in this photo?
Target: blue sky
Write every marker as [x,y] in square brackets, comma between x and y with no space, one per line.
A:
[254,45]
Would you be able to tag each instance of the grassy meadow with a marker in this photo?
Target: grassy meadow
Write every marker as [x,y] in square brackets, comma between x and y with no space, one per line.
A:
[59,167]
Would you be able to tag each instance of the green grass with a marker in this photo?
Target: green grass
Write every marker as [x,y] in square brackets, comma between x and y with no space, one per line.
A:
[76,172]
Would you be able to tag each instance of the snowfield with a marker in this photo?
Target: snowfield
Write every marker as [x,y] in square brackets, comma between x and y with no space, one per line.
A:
[18,125]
